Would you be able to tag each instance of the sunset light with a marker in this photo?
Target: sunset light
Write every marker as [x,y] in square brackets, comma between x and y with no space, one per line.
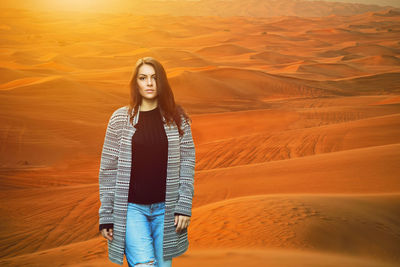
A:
[270,135]
[67,5]
[78,5]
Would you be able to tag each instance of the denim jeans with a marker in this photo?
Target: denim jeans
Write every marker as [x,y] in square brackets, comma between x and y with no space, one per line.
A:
[144,234]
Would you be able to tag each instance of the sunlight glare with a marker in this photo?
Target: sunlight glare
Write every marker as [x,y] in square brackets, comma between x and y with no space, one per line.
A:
[78,5]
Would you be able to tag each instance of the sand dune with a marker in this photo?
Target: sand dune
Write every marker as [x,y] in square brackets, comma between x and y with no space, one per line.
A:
[49,88]
[247,8]
[223,50]
[52,67]
[388,101]
[61,256]
[150,35]
[371,50]
[363,50]
[379,60]
[87,62]
[290,224]
[362,170]
[8,75]
[332,70]
[323,223]
[335,53]
[293,21]
[369,84]
[90,252]
[26,82]
[295,122]
[351,57]
[387,13]
[274,58]
[46,218]
[176,58]
[295,66]
[275,145]
[233,83]
[298,222]
[273,257]
[224,125]
[287,176]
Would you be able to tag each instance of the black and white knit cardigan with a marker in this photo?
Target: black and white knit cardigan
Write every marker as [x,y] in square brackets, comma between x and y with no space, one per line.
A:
[114,179]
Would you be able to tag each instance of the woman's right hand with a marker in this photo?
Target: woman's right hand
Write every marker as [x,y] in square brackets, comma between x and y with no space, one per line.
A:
[107,233]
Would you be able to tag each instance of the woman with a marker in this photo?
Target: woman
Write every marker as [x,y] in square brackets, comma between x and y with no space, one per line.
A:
[146,173]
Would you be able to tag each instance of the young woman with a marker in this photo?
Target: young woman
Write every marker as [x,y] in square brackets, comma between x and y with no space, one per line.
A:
[146,173]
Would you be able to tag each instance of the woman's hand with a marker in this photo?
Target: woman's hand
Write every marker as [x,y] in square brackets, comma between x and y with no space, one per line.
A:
[107,233]
[181,222]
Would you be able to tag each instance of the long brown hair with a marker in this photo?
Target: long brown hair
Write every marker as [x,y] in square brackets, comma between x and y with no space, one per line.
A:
[171,111]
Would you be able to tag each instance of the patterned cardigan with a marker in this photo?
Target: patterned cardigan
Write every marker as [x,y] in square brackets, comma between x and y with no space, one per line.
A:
[114,179]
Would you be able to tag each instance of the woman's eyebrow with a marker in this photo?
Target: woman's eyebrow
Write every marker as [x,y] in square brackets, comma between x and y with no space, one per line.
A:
[146,74]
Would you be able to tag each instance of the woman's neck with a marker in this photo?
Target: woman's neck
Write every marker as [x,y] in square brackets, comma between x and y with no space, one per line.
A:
[148,104]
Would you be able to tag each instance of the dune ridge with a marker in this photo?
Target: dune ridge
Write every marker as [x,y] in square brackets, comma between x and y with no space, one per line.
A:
[264,147]
[300,221]
[350,171]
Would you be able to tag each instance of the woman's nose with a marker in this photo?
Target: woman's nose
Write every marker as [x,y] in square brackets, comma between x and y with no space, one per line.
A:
[149,81]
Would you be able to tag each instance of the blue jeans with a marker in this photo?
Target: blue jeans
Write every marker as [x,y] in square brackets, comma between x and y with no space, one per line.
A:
[144,234]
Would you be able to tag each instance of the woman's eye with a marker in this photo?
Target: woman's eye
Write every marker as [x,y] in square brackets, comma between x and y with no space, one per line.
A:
[143,78]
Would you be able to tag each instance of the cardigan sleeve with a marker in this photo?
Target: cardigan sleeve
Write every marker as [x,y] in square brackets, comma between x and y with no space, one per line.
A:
[186,173]
[106,226]
[180,214]
[108,173]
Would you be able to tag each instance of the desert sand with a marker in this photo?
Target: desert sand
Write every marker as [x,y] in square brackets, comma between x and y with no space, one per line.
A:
[296,122]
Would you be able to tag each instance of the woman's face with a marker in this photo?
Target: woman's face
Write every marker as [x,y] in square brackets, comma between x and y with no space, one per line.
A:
[146,80]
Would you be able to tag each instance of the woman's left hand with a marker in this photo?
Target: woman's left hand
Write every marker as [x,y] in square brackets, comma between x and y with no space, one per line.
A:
[181,222]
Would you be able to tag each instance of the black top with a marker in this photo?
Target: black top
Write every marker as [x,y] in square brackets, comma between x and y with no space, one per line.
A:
[149,159]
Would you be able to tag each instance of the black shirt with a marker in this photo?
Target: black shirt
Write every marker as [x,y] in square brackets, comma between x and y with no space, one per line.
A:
[149,159]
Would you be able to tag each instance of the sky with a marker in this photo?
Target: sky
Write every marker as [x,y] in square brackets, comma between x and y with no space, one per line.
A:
[118,5]
[394,3]
[66,5]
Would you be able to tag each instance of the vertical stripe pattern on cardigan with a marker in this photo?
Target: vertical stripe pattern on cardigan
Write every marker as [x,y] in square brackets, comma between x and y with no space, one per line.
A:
[114,179]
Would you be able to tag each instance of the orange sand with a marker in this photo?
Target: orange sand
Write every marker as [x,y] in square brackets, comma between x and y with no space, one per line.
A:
[296,123]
